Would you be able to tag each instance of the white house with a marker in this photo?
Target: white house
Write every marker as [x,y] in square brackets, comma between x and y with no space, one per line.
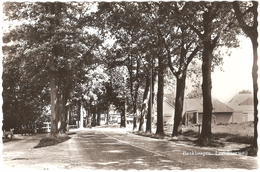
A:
[168,112]
[243,105]
[193,112]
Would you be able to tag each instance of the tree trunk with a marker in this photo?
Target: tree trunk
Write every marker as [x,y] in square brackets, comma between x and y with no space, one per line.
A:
[177,127]
[160,97]
[122,123]
[252,33]
[134,119]
[206,134]
[89,118]
[149,116]
[94,121]
[134,122]
[107,122]
[146,90]
[255,88]
[150,104]
[58,102]
[57,82]
[98,118]
[107,115]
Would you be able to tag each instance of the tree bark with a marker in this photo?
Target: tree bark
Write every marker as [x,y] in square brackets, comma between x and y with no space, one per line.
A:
[150,104]
[206,90]
[98,118]
[134,119]
[107,121]
[255,89]
[149,116]
[57,81]
[160,92]
[123,119]
[252,33]
[177,127]
[94,121]
[58,104]
[146,90]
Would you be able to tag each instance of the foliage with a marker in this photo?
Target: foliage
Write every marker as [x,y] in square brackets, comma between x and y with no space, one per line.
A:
[245,92]
[102,58]
[195,94]
[52,41]
[215,25]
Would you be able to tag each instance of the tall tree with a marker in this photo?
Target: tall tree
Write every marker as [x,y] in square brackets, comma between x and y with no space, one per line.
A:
[246,14]
[215,25]
[125,22]
[181,45]
[54,40]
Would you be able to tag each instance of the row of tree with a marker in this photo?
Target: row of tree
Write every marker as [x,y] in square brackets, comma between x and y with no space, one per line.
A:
[96,53]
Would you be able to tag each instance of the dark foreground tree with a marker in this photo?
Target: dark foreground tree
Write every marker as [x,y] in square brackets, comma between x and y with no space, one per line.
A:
[246,13]
[214,23]
[53,40]
[181,45]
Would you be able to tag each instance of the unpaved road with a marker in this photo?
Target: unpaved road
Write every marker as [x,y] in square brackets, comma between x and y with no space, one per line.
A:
[114,149]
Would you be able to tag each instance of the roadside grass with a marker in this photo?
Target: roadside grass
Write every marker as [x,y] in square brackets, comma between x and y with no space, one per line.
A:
[49,140]
[249,149]
[224,137]
[152,135]
[4,140]
[236,133]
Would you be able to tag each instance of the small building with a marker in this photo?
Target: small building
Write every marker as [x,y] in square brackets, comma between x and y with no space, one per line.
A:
[168,112]
[243,105]
[193,112]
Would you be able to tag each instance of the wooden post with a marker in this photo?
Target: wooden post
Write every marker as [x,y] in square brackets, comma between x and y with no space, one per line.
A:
[197,117]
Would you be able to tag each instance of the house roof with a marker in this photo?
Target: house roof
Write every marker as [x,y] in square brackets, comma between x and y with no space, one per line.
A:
[239,98]
[249,101]
[169,103]
[197,105]
[242,102]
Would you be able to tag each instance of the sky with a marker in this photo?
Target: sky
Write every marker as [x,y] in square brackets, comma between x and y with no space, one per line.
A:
[237,74]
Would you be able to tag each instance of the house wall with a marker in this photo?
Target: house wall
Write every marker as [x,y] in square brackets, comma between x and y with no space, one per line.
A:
[237,117]
[223,117]
[217,118]
[168,113]
[168,110]
[250,115]
[244,116]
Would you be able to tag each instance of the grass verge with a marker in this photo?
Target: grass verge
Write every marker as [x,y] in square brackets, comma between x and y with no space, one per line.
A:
[52,140]
[250,150]
[225,137]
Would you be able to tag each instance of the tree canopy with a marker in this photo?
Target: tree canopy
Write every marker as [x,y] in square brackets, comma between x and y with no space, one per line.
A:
[68,55]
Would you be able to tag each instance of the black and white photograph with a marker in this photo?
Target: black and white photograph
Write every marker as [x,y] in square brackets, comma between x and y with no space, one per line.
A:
[129,85]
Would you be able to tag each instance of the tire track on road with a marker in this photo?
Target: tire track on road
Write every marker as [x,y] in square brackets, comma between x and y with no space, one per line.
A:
[156,153]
